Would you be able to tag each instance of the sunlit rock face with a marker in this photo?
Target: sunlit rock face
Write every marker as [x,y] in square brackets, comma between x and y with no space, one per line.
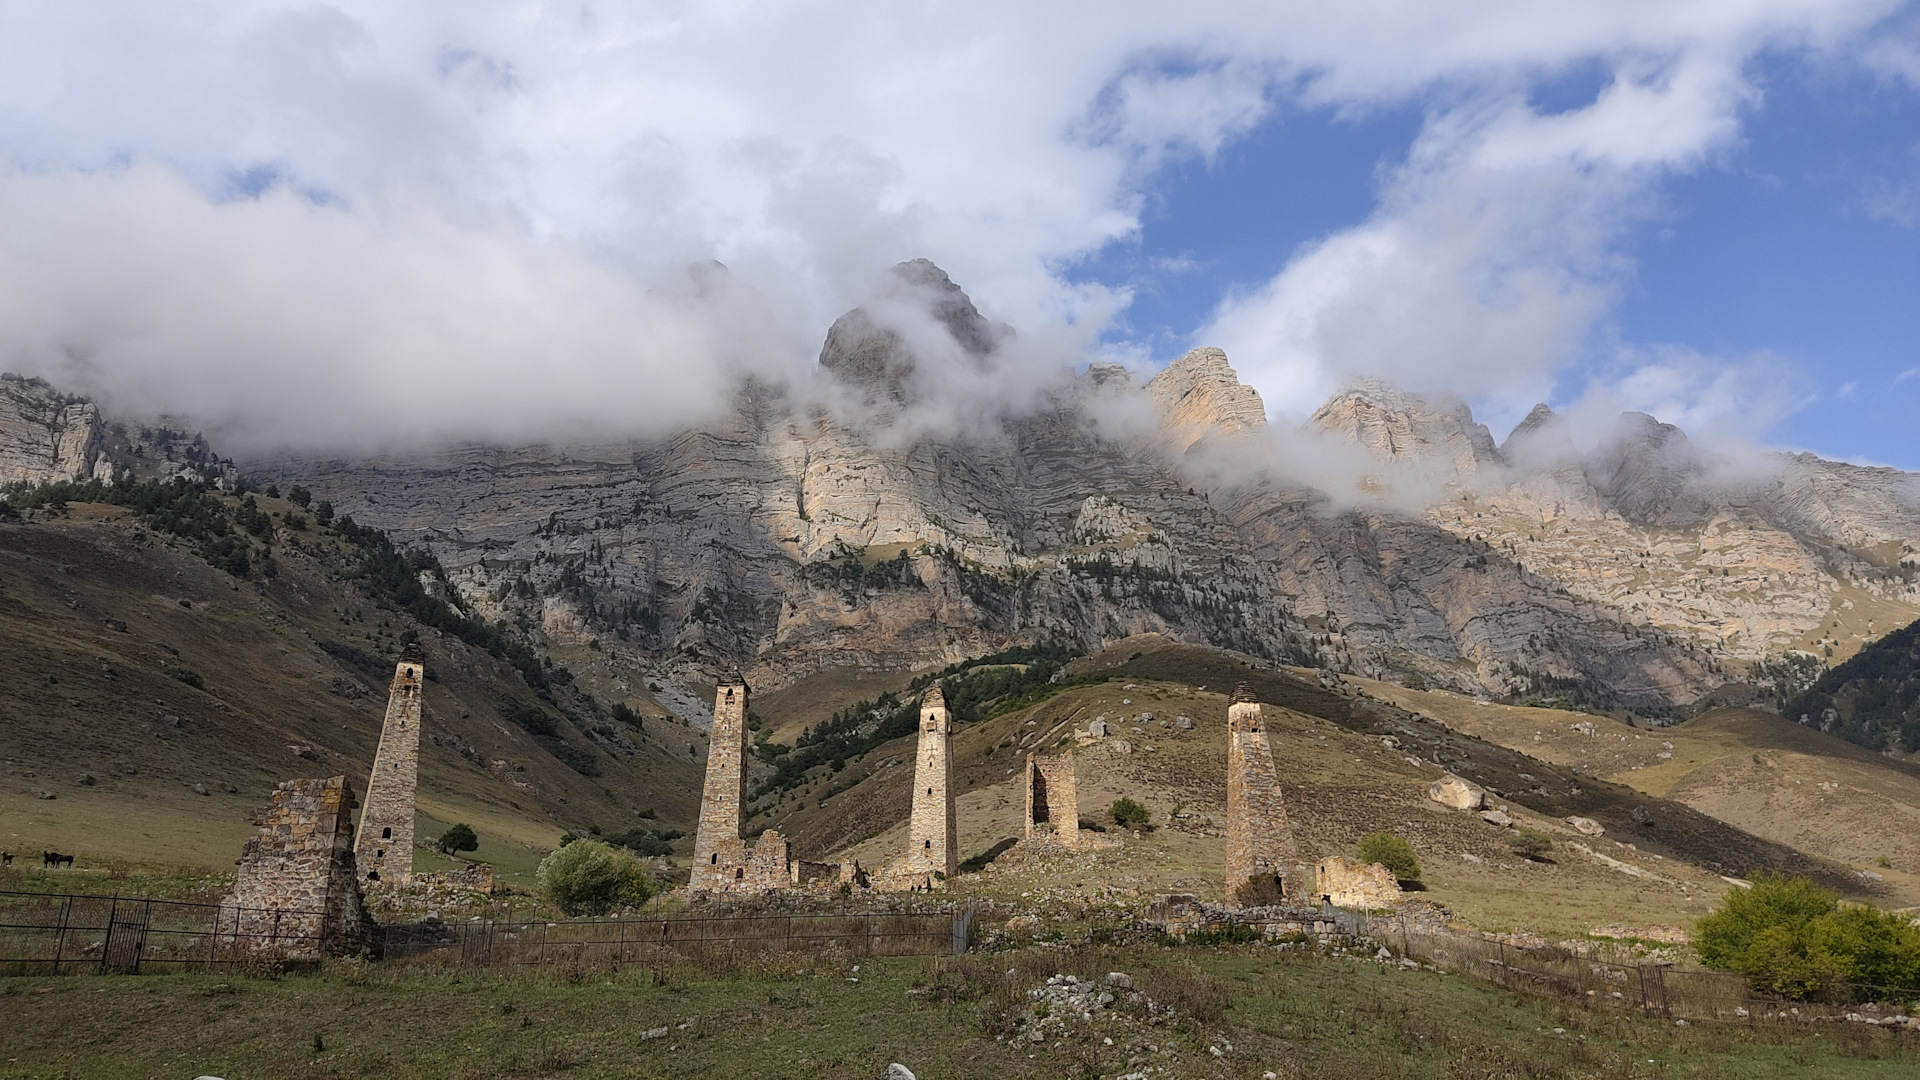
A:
[46,437]
[785,538]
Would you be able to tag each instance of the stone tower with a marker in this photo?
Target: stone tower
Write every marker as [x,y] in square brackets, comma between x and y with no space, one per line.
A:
[1261,853]
[932,847]
[719,855]
[384,846]
[1053,800]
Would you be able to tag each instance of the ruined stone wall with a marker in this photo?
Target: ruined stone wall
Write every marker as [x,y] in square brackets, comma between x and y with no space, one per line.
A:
[477,876]
[384,846]
[932,846]
[1260,847]
[296,892]
[1053,800]
[1350,883]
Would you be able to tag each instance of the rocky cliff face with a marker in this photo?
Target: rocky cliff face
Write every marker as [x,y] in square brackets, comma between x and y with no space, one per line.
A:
[45,436]
[1749,558]
[783,539]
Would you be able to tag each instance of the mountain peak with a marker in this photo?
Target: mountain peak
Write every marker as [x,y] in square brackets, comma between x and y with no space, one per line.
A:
[1395,424]
[869,346]
[1200,395]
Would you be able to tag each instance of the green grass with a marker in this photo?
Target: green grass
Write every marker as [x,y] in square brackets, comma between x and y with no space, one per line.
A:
[1295,1014]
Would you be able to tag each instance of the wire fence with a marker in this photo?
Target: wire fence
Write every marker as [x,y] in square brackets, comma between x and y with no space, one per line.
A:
[1610,979]
[70,934]
[62,934]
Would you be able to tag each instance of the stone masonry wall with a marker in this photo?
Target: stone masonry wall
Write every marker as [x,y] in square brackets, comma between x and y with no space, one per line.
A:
[1260,844]
[1350,883]
[719,855]
[296,892]
[384,846]
[1053,801]
[932,846]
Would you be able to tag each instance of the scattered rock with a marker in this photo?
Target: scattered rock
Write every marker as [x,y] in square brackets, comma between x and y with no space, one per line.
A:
[897,1071]
[1451,790]
[346,688]
[1586,826]
[1097,729]
[303,752]
[1184,723]
[654,1033]
[1120,979]
[1120,746]
[1496,817]
[42,794]
[86,780]
[116,625]
[127,768]
[201,789]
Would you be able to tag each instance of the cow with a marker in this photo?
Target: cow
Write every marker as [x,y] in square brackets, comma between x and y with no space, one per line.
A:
[6,858]
[55,859]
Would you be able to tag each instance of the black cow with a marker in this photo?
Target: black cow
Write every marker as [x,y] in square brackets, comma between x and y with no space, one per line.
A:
[54,858]
[6,858]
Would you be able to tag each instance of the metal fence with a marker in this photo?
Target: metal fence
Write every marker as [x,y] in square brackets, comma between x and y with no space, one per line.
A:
[59,933]
[1602,981]
[496,942]
[66,934]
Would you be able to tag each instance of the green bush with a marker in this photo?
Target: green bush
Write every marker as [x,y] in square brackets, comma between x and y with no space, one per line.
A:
[588,877]
[1792,937]
[1391,852]
[1532,844]
[459,838]
[1129,813]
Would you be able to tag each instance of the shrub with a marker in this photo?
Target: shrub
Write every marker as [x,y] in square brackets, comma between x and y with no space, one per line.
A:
[625,714]
[1391,852]
[1792,937]
[299,496]
[459,838]
[1129,813]
[1532,844]
[588,877]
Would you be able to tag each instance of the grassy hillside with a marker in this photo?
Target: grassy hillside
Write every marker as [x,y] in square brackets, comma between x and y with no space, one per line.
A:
[1342,780]
[1749,768]
[139,674]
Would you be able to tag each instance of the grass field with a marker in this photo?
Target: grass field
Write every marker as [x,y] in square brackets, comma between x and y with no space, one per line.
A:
[1295,1015]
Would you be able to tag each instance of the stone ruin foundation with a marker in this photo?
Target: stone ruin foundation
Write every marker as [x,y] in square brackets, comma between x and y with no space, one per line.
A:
[1262,858]
[932,844]
[1350,883]
[297,894]
[384,845]
[476,876]
[1053,802]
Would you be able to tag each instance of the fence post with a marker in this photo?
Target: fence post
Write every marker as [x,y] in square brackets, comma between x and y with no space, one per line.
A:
[60,940]
[213,937]
[140,943]
[106,949]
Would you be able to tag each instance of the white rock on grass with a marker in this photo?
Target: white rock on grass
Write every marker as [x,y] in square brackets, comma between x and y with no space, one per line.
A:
[1451,790]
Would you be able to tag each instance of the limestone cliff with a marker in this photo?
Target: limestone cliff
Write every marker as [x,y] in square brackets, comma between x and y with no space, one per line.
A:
[45,436]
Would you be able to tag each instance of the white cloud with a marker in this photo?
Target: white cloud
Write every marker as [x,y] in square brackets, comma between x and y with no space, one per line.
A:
[503,180]
[1721,402]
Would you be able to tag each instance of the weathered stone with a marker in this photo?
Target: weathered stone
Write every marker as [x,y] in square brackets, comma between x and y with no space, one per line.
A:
[1586,826]
[384,846]
[1260,844]
[1497,817]
[1053,800]
[296,892]
[1461,794]
[1350,883]
[1184,723]
[1097,729]
[719,855]
[931,844]
[897,1071]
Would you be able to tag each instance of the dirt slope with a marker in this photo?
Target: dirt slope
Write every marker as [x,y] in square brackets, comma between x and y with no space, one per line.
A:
[100,623]
[1748,768]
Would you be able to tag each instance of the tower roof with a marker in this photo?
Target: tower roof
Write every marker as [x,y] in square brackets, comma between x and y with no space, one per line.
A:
[1244,694]
[933,697]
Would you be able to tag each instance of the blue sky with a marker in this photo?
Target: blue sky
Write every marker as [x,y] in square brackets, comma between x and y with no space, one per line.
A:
[256,212]
[1781,246]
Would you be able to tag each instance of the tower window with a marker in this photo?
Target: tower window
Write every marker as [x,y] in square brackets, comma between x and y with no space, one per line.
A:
[929,845]
[716,858]
[386,833]
[380,854]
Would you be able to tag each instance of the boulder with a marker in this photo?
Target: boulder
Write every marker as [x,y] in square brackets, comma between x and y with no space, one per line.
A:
[1184,723]
[897,1071]
[1097,729]
[1451,790]
[1496,817]
[1586,826]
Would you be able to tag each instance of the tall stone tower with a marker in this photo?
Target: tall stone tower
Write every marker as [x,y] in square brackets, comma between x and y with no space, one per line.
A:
[383,849]
[719,855]
[932,846]
[1261,853]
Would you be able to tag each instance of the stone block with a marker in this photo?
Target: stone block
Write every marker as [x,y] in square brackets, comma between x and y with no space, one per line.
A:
[1350,883]
[1460,794]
